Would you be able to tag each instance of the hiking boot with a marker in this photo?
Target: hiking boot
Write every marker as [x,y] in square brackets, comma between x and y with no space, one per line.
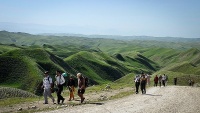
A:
[82,100]
[54,102]
[45,103]
[63,100]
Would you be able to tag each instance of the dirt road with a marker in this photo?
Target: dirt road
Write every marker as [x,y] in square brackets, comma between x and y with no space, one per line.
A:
[170,99]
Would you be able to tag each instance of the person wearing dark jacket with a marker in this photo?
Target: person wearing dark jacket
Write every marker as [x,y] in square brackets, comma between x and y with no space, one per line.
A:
[71,85]
[59,82]
[137,83]
[156,80]
[143,82]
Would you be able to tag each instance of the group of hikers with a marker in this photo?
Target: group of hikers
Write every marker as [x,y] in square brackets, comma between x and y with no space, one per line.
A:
[144,79]
[48,87]
[162,80]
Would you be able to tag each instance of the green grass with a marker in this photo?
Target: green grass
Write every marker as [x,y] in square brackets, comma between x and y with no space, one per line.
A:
[96,66]
[13,71]
[23,68]
[16,100]
[126,81]
[6,48]
[122,94]
[101,60]
[182,77]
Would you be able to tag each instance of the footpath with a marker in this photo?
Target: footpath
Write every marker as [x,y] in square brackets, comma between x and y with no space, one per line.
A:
[169,99]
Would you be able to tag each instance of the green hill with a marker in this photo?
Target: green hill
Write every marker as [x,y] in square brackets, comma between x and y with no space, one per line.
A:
[103,68]
[26,56]
[23,68]
[184,65]
[97,66]
[19,72]
[6,48]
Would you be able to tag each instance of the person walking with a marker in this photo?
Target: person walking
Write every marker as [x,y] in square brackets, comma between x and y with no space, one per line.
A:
[137,83]
[148,79]
[160,80]
[47,85]
[59,82]
[156,80]
[163,80]
[81,86]
[175,80]
[71,85]
[143,81]
[166,80]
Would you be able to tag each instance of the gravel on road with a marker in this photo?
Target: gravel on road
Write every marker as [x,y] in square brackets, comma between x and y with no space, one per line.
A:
[169,99]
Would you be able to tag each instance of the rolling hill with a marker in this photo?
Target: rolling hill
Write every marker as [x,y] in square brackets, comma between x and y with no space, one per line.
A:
[24,57]
[23,68]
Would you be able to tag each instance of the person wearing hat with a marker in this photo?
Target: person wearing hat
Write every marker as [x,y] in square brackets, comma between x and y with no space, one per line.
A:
[47,83]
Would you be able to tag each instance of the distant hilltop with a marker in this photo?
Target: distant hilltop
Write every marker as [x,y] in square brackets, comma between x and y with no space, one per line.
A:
[120,37]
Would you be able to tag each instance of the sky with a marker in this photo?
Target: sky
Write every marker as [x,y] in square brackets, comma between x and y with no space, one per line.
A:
[159,18]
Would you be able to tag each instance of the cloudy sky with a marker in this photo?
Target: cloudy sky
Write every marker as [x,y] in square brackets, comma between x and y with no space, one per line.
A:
[175,18]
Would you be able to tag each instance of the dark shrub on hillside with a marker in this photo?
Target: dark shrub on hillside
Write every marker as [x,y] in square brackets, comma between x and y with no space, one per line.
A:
[120,57]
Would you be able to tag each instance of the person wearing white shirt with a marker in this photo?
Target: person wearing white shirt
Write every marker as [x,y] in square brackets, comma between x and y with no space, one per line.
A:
[60,80]
[148,79]
[137,83]
[47,83]
[163,80]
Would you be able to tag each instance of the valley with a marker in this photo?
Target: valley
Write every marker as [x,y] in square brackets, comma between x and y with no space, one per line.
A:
[24,57]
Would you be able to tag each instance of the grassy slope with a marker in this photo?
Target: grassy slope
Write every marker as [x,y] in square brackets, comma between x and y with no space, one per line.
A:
[101,67]
[22,68]
[174,62]
[6,48]
[165,54]
[183,65]
[18,72]
[97,66]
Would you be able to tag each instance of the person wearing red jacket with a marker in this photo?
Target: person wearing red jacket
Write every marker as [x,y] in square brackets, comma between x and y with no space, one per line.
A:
[155,81]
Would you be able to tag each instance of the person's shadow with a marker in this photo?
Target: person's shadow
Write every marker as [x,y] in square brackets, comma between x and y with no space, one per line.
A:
[96,103]
[86,102]
[153,95]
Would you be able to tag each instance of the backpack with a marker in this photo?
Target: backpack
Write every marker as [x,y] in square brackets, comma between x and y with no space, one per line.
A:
[84,78]
[86,81]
